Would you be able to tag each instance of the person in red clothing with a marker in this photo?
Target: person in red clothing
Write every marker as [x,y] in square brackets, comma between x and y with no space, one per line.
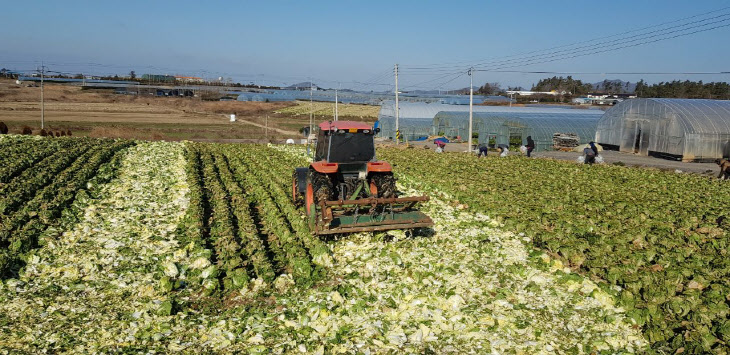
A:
[440,145]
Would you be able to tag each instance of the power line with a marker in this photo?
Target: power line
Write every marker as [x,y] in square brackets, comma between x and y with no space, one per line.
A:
[375,80]
[585,53]
[612,45]
[641,40]
[626,44]
[605,73]
[467,63]
[457,73]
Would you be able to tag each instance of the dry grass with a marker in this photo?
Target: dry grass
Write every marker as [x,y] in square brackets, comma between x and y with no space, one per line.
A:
[326,109]
[66,94]
[126,133]
[102,113]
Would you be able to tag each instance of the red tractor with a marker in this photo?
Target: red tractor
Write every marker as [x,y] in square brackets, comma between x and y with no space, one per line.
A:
[346,189]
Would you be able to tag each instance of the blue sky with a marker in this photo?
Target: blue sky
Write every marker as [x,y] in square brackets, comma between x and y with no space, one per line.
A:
[284,42]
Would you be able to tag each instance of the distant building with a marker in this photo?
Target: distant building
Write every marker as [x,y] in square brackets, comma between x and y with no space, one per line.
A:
[582,101]
[188,79]
[530,93]
[158,78]
[605,99]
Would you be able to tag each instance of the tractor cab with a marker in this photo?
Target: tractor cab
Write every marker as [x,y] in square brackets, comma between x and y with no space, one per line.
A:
[345,142]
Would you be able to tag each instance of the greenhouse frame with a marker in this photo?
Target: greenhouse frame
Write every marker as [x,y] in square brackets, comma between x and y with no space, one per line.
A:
[682,129]
[502,127]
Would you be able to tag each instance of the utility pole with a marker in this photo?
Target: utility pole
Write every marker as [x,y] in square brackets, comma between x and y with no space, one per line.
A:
[336,115]
[471,109]
[397,109]
[311,107]
[43,104]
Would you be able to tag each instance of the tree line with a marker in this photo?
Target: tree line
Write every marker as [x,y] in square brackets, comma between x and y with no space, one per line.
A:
[684,89]
[574,87]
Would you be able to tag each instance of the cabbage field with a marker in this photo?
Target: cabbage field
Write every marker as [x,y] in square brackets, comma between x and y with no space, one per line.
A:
[128,246]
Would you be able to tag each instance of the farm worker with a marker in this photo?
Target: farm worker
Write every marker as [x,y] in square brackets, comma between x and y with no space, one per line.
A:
[593,147]
[724,169]
[530,145]
[440,145]
[483,150]
[503,150]
[590,155]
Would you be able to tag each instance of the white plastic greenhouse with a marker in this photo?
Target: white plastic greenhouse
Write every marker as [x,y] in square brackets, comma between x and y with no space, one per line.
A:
[520,122]
[499,122]
[415,120]
[690,130]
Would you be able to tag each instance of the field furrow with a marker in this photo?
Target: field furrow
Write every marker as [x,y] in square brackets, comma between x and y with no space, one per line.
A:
[246,228]
[298,261]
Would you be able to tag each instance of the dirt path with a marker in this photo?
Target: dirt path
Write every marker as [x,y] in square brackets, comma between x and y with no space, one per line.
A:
[282,131]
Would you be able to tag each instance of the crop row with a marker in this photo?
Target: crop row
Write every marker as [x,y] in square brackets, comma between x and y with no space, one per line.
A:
[36,199]
[657,241]
[241,219]
[283,224]
[289,252]
[25,155]
[11,146]
[275,169]
[39,175]
[245,224]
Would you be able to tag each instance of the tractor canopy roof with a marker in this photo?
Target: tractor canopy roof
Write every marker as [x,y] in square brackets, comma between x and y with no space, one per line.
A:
[346,125]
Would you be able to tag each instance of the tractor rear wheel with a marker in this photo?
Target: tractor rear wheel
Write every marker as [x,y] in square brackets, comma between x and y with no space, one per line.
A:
[321,185]
[309,199]
[384,185]
[296,198]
